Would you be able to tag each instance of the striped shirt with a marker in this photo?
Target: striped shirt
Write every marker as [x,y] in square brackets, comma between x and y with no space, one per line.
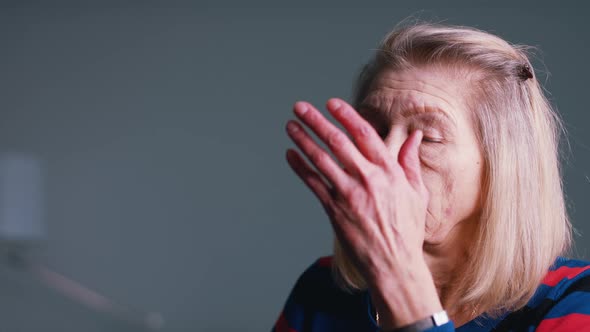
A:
[561,303]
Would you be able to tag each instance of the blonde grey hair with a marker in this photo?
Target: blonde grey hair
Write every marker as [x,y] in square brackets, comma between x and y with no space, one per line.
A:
[524,224]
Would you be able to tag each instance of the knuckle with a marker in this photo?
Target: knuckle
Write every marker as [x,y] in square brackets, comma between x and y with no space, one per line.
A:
[354,194]
[335,139]
[396,172]
[364,130]
[317,157]
[370,177]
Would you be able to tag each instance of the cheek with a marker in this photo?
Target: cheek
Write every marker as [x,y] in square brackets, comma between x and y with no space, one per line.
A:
[432,156]
[440,217]
[443,178]
[458,192]
[453,181]
[437,172]
[440,182]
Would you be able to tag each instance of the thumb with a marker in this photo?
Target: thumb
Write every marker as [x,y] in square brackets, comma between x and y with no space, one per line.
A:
[409,158]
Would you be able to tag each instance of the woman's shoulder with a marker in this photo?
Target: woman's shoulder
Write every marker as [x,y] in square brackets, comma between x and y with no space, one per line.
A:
[318,303]
[317,291]
[563,298]
[565,275]
[565,272]
[317,285]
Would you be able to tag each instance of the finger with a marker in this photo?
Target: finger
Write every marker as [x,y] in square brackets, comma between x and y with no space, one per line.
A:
[318,156]
[409,158]
[345,231]
[312,179]
[364,135]
[343,148]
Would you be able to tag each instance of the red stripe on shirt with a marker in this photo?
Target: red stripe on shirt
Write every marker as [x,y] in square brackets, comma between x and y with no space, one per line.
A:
[325,261]
[554,277]
[282,325]
[567,323]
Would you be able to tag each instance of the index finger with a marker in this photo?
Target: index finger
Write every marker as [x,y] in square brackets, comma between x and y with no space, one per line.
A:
[364,135]
[336,140]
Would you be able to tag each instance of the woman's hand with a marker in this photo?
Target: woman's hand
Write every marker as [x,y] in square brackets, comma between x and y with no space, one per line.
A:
[376,204]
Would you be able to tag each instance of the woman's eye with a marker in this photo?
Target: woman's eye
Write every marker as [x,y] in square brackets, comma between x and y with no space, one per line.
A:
[427,139]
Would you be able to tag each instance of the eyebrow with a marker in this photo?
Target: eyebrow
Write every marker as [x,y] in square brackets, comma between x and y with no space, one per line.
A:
[432,114]
[431,117]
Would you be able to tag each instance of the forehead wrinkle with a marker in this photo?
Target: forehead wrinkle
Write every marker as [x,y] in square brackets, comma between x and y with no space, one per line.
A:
[433,83]
[413,98]
[395,106]
[421,84]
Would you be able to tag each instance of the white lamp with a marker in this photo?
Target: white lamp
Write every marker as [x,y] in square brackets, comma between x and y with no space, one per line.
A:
[22,224]
[21,199]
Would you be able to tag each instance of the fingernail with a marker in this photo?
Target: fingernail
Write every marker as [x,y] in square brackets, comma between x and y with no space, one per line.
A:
[300,108]
[335,104]
[292,127]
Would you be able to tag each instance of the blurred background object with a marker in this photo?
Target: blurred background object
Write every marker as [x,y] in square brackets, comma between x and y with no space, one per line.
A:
[21,200]
[160,127]
[22,232]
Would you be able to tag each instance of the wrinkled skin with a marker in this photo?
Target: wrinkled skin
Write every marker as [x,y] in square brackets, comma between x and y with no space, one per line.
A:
[403,192]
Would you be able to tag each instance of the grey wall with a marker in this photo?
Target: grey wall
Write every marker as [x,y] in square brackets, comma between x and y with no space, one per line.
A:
[160,126]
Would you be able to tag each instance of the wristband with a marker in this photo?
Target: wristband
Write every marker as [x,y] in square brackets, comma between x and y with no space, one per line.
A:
[438,319]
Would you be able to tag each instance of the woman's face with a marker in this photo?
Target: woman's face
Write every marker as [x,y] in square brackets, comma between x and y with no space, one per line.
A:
[398,103]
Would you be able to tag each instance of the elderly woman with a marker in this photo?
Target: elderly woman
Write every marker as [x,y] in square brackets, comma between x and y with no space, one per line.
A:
[445,198]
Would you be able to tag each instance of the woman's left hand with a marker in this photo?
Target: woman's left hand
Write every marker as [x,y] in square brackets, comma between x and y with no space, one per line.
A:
[376,203]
